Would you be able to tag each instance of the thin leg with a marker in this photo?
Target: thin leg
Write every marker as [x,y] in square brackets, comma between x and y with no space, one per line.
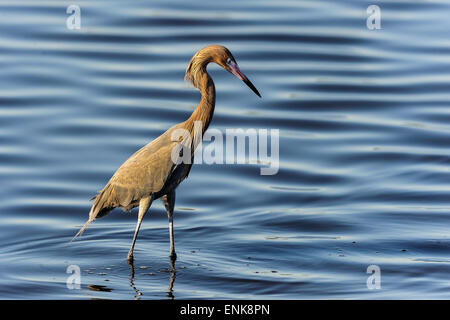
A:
[169,203]
[144,204]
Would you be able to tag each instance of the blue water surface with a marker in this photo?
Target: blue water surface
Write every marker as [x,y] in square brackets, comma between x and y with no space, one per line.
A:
[363,118]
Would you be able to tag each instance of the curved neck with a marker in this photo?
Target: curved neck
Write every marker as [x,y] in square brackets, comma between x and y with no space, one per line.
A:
[205,108]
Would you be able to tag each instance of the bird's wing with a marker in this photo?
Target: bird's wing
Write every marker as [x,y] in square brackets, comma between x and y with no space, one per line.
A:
[147,170]
[143,173]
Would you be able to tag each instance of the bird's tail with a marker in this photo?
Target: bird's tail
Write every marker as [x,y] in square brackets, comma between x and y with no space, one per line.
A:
[79,233]
[102,205]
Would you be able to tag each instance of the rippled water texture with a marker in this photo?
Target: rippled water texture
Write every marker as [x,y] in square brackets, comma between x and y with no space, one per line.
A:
[364,149]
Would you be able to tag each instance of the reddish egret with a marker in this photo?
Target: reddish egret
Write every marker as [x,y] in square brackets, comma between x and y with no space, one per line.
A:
[151,173]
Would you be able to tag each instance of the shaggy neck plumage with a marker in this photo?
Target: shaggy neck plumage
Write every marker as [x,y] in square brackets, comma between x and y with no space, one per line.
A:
[205,108]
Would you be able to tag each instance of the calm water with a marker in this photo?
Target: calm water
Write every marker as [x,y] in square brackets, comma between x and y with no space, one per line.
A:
[364,149]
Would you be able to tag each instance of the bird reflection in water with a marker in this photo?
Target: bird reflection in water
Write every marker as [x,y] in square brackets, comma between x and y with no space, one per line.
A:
[172,272]
[95,287]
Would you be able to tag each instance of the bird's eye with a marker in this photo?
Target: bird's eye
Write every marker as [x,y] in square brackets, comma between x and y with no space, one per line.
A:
[228,60]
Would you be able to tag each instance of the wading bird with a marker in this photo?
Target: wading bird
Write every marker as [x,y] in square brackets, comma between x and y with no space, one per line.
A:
[151,173]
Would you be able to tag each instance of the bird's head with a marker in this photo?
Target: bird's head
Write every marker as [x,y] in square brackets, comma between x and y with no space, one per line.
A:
[220,55]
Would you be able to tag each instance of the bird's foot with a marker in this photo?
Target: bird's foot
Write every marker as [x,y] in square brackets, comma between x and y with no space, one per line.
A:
[130,258]
[173,255]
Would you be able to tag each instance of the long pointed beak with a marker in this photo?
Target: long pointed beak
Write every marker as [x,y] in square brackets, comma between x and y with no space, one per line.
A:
[238,73]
